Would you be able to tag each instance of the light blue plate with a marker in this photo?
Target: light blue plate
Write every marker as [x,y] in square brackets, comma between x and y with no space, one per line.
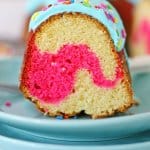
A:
[14,139]
[22,114]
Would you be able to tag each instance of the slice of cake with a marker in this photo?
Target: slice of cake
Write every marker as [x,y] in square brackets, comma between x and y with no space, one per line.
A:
[140,37]
[75,60]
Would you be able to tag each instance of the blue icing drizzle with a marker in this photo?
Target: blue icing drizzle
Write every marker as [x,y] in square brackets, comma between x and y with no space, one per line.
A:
[99,9]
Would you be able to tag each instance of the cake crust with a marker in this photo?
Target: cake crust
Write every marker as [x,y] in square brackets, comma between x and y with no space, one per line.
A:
[49,113]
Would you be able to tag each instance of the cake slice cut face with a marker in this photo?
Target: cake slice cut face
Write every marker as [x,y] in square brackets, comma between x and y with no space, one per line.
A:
[73,64]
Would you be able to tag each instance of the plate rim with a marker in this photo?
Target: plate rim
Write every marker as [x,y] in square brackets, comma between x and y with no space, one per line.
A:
[33,144]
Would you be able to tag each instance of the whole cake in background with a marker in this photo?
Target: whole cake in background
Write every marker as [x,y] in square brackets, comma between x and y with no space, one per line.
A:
[140,37]
[75,60]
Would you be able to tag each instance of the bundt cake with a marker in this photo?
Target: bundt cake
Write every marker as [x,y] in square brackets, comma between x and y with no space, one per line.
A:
[75,60]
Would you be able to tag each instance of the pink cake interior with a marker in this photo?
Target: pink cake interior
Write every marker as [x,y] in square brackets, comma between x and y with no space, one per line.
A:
[51,77]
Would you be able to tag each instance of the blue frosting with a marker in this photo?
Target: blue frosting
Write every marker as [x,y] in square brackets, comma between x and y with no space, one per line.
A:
[104,15]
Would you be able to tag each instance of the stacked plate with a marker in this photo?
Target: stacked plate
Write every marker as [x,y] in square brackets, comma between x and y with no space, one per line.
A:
[23,127]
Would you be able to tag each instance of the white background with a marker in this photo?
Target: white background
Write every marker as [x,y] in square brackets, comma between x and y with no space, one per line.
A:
[12,17]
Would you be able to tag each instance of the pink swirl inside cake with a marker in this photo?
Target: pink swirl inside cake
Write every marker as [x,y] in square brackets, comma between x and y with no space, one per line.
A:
[51,77]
